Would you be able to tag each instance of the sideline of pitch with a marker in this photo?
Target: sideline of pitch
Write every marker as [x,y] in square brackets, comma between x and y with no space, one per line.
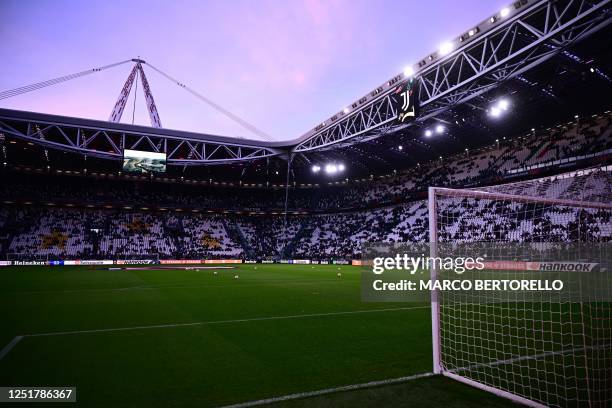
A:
[16,340]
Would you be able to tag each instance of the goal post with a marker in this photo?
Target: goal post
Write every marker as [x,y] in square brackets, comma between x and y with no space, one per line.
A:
[555,351]
[435,305]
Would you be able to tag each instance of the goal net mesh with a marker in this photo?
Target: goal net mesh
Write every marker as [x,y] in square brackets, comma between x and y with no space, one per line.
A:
[553,351]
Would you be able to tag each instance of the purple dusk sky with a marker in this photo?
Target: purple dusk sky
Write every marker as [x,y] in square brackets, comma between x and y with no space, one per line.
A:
[283,65]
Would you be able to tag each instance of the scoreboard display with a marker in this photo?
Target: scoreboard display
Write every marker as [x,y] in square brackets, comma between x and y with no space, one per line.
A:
[137,161]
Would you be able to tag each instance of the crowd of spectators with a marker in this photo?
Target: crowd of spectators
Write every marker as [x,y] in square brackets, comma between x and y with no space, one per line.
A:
[82,233]
[70,233]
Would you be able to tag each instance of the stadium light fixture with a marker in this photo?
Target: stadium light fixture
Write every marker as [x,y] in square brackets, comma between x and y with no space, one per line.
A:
[428,133]
[445,48]
[400,147]
[331,169]
[346,110]
[504,12]
[499,108]
[408,72]
[439,129]
[341,167]
[316,169]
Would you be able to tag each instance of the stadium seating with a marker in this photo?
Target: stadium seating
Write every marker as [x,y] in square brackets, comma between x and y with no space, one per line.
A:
[68,232]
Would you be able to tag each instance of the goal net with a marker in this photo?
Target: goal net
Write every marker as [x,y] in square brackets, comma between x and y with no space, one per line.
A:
[544,350]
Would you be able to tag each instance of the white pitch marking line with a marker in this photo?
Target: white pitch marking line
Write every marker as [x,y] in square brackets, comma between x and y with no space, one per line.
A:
[151,287]
[10,346]
[328,391]
[255,319]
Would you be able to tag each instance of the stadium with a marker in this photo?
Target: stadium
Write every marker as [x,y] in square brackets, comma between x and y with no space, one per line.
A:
[142,265]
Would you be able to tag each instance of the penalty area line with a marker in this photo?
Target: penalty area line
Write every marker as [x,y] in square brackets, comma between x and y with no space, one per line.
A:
[326,391]
[211,322]
[10,346]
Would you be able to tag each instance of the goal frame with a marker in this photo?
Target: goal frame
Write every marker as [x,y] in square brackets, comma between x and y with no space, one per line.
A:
[432,206]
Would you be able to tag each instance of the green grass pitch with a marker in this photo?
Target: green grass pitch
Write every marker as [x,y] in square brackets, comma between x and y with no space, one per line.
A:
[277,330]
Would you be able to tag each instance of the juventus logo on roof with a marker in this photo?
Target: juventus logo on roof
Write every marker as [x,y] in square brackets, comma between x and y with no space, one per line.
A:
[405,101]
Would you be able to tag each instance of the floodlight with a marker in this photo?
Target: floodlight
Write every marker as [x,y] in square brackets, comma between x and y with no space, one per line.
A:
[400,147]
[504,12]
[445,48]
[341,167]
[503,104]
[439,129]
[495,111]
[346,110]
[316,169]
[331,169]
[408,72]
[428,133]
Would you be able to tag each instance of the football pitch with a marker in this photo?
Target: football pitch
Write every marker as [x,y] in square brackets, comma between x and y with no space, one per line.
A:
[178,338]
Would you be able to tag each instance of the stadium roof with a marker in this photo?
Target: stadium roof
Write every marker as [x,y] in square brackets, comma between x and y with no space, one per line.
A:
[136,129]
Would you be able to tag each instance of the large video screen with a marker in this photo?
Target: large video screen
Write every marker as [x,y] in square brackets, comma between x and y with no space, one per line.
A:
[137,161]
